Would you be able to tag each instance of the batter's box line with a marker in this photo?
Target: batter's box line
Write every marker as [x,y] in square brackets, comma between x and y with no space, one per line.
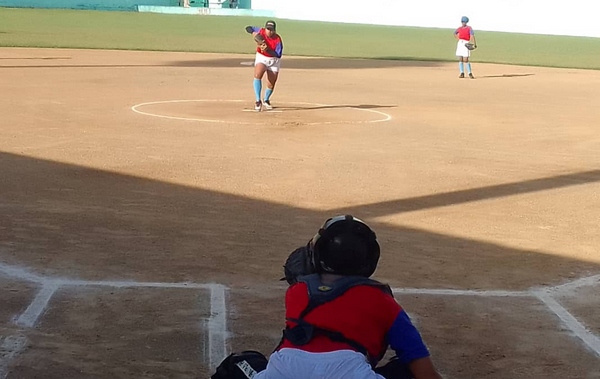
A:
[216,324]
[545,295]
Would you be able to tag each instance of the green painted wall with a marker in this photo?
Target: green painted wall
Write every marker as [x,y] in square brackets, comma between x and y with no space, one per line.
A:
[242,4]
[124,5]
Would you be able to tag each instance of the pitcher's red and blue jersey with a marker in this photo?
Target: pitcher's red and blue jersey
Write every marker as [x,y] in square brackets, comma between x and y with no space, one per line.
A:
[275,43]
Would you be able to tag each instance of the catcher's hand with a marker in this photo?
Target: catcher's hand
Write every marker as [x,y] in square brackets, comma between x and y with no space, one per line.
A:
[297,264]
[471,46]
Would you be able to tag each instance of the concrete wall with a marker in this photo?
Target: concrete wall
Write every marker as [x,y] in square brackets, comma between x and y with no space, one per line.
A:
[206,11]
[573,17]
[124,5]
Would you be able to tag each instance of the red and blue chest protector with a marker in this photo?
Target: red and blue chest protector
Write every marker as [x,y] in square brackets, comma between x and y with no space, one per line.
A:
[354,313]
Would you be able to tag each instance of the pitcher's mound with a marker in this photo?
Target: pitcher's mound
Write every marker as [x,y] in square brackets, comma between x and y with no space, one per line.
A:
[283,113]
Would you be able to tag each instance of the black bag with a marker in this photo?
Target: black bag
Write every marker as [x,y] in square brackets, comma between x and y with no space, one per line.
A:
[242,365]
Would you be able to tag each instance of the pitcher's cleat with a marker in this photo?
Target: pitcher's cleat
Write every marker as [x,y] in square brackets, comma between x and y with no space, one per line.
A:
[462,75]
[268,105]
[471,76]
[258,106]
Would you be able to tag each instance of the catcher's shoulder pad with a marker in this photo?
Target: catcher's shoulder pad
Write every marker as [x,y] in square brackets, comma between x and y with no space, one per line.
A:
[320,293]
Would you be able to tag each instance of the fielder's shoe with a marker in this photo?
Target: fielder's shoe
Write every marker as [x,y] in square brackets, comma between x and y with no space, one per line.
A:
[258,106]
[471,76]
[462,75]
[268,105]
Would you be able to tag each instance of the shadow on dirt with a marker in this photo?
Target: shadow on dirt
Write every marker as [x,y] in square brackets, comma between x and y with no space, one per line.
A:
[136,228]
[317,107]
[64,220]
[313,63]
[288,63]
[503,76]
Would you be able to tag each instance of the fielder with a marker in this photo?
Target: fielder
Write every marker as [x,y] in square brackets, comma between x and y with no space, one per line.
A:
[268,59]
[466,42]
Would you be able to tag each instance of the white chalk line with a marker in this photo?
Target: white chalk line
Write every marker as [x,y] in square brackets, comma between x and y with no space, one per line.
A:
[450,292]
[19,273]
[580,331]
[33,312]
[217,322]
[588,338]
[10,348]
[135,108]
[581,282]
[127,284]
[216,325]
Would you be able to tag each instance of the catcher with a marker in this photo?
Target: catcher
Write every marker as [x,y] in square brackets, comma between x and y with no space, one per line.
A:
[339,323]
[268,59]
[466,42]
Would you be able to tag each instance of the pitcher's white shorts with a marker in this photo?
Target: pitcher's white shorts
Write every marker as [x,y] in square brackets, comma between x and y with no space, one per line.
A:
[461,49]
[272,63]
[299,364]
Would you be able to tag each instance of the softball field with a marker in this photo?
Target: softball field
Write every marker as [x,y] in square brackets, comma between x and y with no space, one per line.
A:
[146,211]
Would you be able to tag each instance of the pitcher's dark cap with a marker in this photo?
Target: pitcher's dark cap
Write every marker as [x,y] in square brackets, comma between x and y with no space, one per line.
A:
[271,25]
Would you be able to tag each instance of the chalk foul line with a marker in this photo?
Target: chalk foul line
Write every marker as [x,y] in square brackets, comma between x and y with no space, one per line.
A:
[578,329]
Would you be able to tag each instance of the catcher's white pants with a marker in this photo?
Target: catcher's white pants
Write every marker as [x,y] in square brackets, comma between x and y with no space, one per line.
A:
[299,364]
[461,49]
[272,63]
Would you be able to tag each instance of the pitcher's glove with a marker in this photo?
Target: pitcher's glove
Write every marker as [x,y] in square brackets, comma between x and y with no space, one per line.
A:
[471,46]
[297,264]
[260,41]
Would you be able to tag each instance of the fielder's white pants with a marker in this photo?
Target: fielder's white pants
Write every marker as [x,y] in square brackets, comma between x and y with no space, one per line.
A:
[299,364]
[461,49]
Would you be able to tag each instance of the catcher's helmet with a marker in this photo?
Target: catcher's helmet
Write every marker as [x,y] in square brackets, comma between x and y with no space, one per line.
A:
[464,19]
[345,245]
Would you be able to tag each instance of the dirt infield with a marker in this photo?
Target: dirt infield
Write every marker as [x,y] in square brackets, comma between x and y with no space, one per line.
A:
[135,184]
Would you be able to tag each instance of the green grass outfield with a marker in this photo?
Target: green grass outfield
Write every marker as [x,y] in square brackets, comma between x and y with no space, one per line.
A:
[220,34]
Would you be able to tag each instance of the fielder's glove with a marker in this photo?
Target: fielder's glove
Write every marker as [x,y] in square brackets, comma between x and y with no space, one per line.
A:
[471,46]
[297,264]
